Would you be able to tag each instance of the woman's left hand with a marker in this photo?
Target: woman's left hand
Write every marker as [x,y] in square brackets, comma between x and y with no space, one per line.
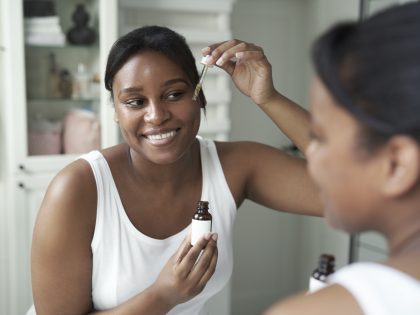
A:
[248,66]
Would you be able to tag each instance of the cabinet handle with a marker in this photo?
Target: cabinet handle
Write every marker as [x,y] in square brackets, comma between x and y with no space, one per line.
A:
[21,185]
[21,167]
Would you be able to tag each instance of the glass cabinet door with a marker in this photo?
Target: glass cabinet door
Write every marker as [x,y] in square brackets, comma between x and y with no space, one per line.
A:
[62,76]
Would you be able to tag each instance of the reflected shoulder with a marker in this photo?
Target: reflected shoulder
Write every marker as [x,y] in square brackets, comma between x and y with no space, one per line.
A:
[331,300]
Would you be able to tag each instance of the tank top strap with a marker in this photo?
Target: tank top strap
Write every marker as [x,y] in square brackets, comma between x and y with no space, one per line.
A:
[101,173]
[212,169]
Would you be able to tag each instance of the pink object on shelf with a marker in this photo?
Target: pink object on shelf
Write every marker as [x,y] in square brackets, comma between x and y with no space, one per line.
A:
[44,137]
[81,132]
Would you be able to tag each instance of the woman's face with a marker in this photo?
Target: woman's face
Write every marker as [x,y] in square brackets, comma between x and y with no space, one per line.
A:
[344,173]
[154,107]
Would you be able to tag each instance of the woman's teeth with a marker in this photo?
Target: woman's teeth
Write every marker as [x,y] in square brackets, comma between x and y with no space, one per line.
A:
[161,136]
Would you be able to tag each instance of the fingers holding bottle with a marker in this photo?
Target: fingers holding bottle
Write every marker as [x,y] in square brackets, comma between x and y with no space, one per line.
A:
[187,272]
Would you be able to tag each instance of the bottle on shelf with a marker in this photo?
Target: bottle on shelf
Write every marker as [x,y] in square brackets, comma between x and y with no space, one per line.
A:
[201,221]
[66,84]
[326,264]
[81,87]
[53,90]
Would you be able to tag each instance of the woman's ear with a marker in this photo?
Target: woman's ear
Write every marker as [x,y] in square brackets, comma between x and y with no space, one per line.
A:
[116,117]
[402,165]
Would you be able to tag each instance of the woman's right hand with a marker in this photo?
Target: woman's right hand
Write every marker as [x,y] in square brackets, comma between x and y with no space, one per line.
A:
[248,67]
[187,272]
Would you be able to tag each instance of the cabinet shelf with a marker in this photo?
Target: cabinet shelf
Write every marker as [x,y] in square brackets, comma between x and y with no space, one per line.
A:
[62,101]
[179,5]
[64,47]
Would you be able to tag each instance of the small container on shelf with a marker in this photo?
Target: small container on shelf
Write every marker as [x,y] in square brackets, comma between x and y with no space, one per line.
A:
[44,137]
[82,83]
[81,132]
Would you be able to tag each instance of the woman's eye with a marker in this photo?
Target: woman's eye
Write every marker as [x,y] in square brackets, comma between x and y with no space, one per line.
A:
[173,96]
[135,102]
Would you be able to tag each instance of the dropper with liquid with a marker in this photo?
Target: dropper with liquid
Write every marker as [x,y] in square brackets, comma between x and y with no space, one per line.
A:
[202,75]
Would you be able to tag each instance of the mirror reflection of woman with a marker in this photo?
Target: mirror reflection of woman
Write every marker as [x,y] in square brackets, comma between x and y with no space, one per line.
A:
[365,158]
[112,234]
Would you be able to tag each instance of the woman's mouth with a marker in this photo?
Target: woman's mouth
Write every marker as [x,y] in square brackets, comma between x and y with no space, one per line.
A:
[161,138]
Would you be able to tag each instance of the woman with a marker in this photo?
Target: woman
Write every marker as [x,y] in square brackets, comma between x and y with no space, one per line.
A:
[112,233]
[365,157]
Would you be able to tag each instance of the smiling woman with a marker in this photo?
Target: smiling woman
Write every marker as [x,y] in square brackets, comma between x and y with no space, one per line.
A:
[115,224]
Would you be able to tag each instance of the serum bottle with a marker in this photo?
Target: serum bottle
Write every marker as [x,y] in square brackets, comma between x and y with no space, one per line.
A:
[201,221]
[319,275]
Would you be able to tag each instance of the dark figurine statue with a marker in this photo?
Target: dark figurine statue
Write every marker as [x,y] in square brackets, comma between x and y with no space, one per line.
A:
[81,33]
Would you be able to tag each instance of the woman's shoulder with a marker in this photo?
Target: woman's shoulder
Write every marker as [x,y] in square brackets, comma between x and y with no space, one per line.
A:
[76,181]
[333,299]
[75,178]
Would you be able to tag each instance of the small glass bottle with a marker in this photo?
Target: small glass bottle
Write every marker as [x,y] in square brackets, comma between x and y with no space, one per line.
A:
[201,221]
[53,87]
[319,275]
[81,88]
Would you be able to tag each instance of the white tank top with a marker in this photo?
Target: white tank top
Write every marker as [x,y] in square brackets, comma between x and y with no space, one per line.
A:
[380,289]
[126,261]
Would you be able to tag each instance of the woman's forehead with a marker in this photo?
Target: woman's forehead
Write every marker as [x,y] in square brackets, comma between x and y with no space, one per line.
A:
[149,65]
[325,111]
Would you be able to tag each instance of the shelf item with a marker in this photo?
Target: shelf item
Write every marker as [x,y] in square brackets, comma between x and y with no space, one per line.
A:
[44,137]
[81,33]
[81,132]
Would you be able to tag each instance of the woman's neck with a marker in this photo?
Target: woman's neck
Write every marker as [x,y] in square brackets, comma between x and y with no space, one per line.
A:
[406,242]
[182,170]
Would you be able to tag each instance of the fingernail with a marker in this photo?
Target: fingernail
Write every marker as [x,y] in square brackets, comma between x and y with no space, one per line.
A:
[219,62]
[207,236]
[215,236]
[205,49]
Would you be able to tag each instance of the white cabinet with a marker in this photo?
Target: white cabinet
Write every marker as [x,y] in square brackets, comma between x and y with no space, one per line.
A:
[27,199]
[37,96]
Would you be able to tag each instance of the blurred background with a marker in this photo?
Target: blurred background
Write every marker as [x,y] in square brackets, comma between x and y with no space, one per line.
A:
[53,107]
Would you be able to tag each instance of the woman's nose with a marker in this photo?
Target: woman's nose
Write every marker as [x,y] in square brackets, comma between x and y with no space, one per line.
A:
[156,113]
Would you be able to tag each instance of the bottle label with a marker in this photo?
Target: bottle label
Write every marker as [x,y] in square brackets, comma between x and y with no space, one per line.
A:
[315,284]
[198,229]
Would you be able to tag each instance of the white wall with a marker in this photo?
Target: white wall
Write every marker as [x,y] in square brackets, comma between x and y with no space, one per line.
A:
[265,246]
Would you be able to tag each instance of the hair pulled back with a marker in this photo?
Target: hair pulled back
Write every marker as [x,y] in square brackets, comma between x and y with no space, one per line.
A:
[372,69]
[152,38]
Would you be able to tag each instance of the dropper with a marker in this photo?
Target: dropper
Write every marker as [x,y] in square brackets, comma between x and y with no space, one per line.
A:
[202,75]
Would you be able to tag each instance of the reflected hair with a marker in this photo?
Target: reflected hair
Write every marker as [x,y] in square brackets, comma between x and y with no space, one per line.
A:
[372,69]
[152,38]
